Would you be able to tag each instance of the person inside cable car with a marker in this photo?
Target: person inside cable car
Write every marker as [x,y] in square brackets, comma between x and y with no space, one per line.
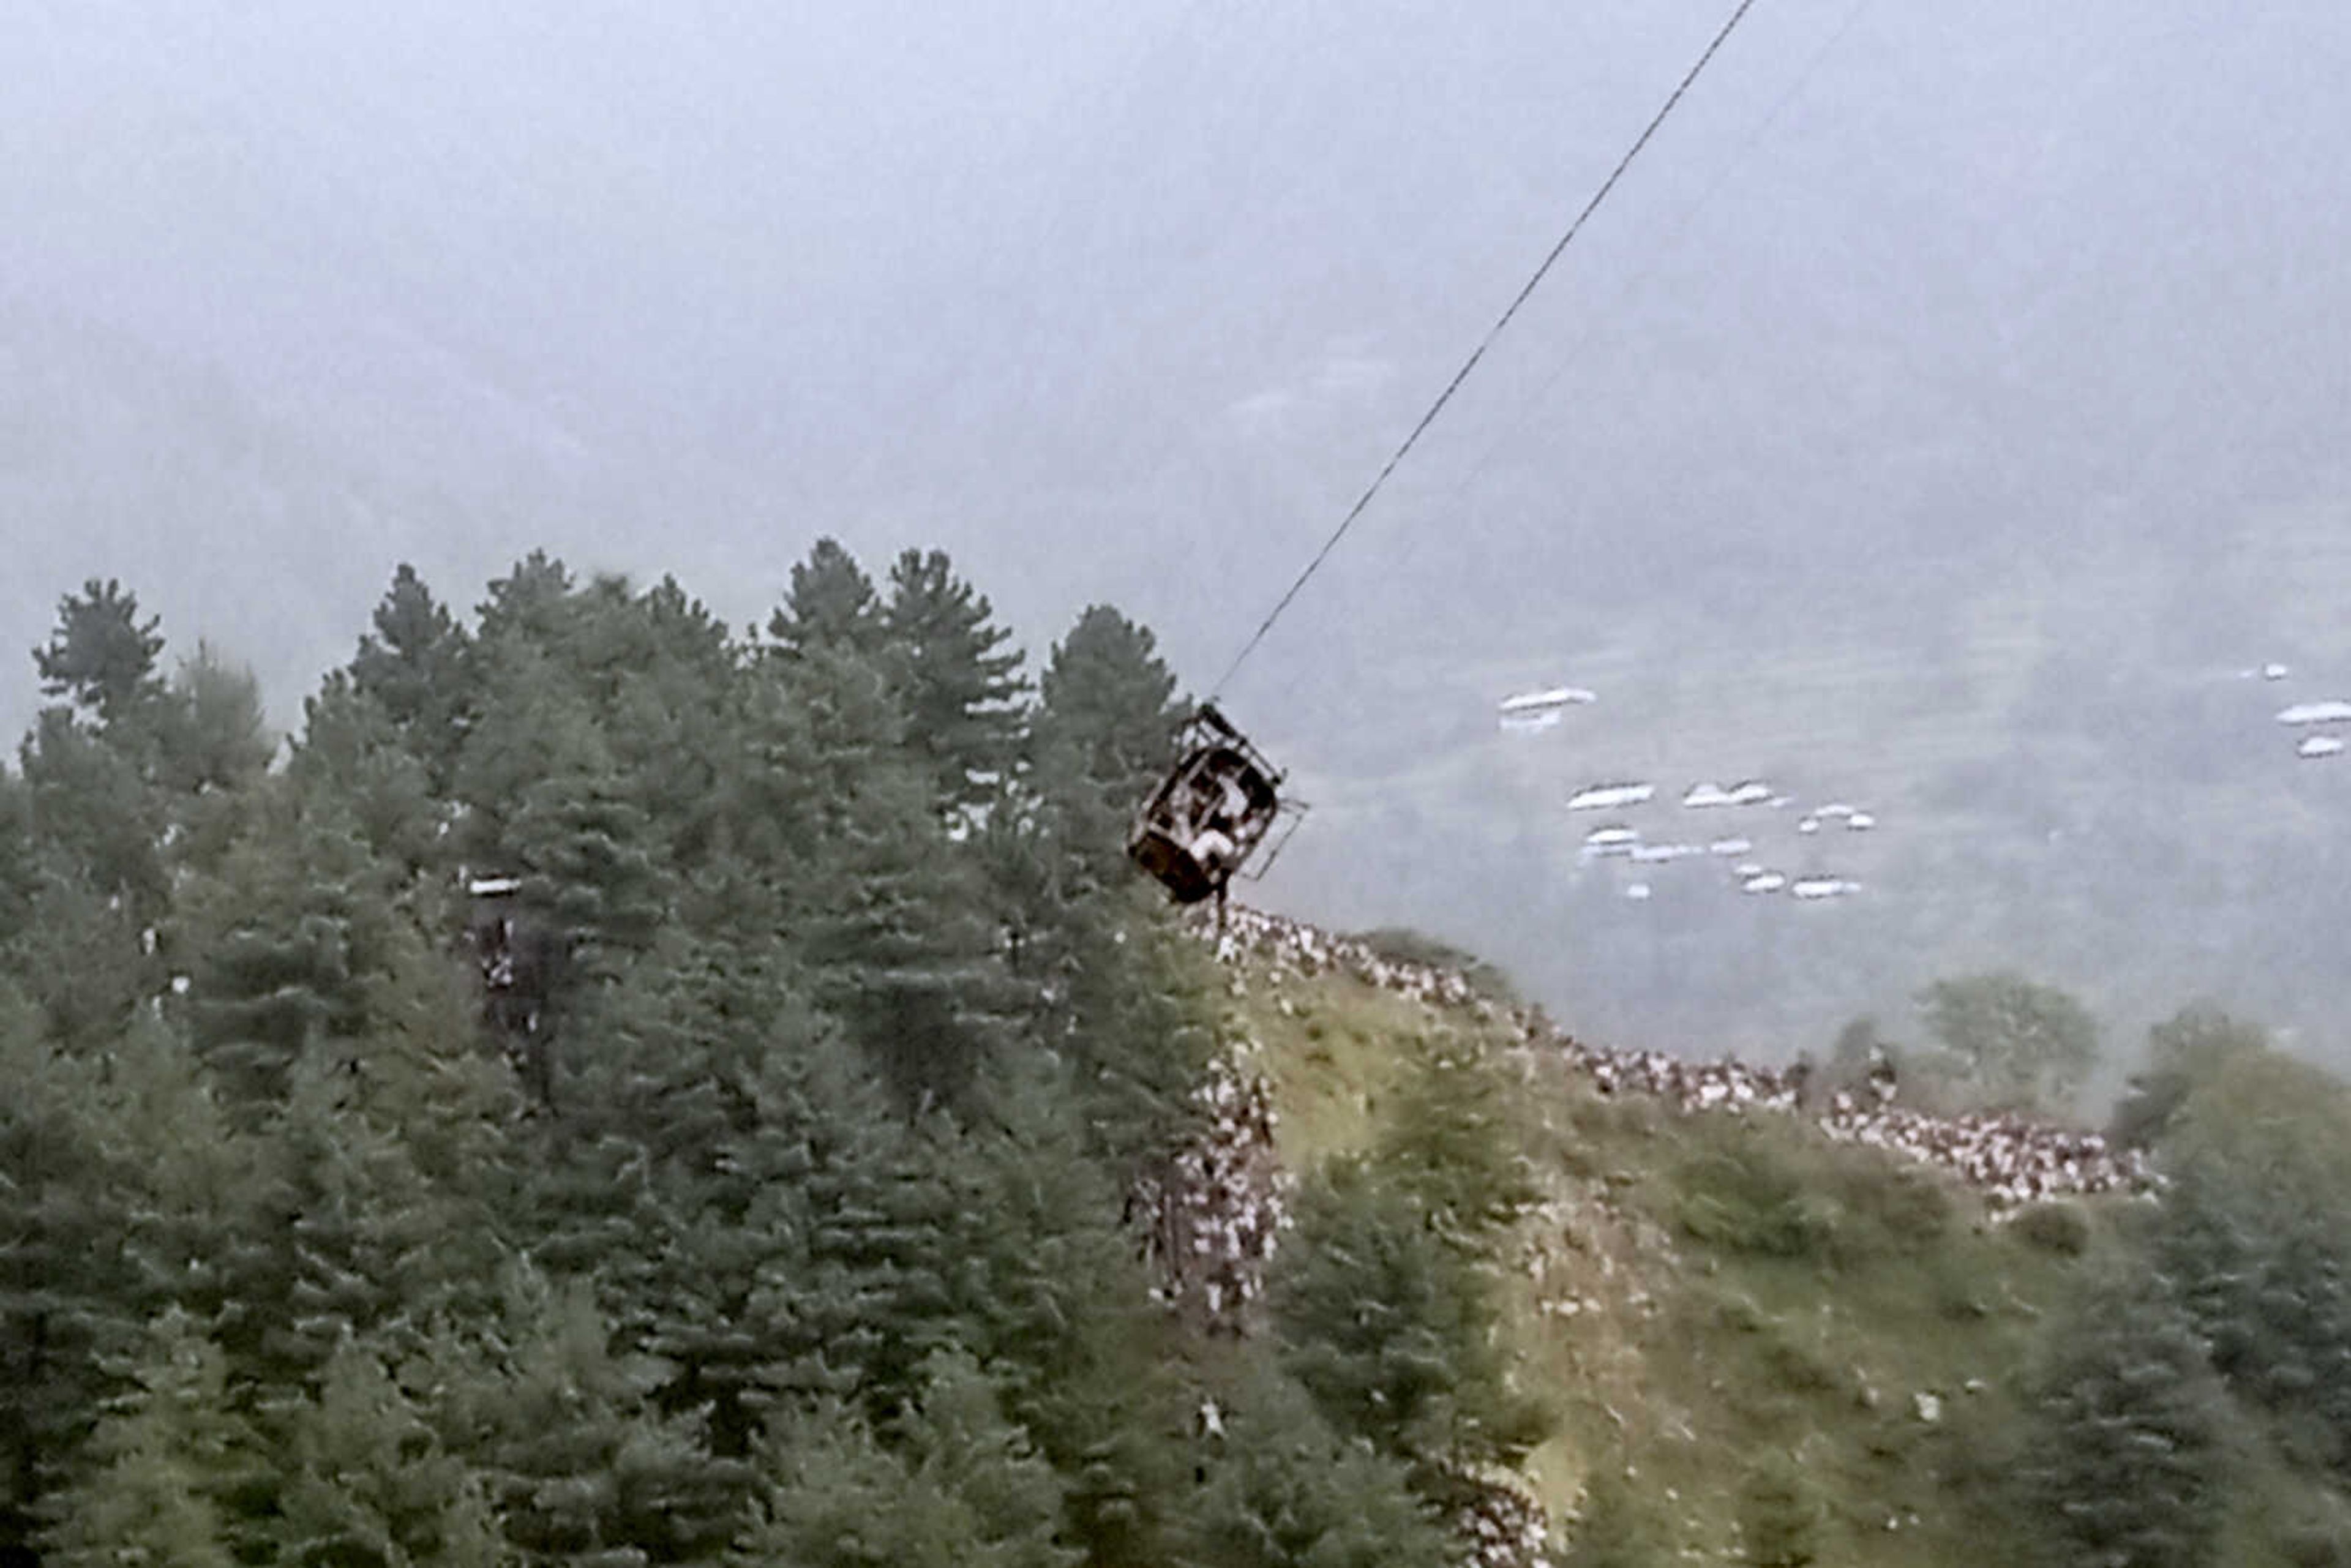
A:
[1210,812]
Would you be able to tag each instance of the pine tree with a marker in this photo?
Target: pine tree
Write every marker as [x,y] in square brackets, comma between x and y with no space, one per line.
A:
[856,1219]
[1284,1490]
[279,945]
[579,1469]
[832,605]
[371,1484]
[530,606]
[175,1475]
[1102,737]
[101,657]
[1050,1295]
[670,720]
[414,667]
[96,815]
[1129,1006]
[886,909]
[83,957]
[1390,1328]
[962,693]
[217,739]
[1455,1142]
[946,1481]
[351,759]
[2122,1462]
[65,1292]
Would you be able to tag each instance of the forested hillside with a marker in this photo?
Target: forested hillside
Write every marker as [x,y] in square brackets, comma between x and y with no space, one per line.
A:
[615,1090]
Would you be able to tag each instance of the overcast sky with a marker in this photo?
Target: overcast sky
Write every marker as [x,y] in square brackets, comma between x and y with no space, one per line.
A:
[1127,302]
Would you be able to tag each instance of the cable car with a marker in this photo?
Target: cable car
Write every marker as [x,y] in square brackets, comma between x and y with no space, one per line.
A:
[1211,812]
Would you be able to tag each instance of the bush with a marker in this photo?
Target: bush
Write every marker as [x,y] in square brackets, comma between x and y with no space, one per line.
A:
[2059,1228]
[1906,1209]
[1748,1200]
[1780,1515]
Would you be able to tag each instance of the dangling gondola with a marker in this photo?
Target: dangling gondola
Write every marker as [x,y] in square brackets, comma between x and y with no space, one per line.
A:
[1211,813]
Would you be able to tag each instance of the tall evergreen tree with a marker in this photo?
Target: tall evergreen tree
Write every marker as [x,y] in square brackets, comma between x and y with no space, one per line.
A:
[351,759]
[101,657]
[530,605]
[962,690]
[415,666]
[1106,720]
[1052,1297]
[1392,1329]
[217,739]
[581,1469]
[65,1296]
[952,1483]
[832,605]
[370,1482]
[96,814]
[1284,1490]
[175,1475]
[886,908]
[2122,1462]
[280,943]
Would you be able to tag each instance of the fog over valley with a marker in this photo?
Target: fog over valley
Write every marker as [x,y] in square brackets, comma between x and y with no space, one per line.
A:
[1941,427]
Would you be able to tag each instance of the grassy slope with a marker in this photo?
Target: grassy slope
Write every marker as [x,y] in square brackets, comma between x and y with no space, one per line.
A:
[1687,1359]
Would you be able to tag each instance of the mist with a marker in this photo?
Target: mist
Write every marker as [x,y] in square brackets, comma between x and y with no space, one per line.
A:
[1945,416]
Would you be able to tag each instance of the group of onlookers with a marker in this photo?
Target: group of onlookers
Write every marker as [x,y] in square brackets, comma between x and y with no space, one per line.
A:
[2013,1159]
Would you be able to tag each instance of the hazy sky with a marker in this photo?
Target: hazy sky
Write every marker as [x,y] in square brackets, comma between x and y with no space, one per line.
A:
[1907,305]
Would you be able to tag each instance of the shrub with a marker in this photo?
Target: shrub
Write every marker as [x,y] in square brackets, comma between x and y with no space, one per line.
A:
[2059,1228]
[1746,1200]
[1780,1515]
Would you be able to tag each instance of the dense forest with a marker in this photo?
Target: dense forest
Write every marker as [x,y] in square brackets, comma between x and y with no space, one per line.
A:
[614,1090]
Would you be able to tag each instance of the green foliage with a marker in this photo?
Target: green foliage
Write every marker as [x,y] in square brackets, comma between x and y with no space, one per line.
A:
[351,758]
[413,669]
[577,1468]
[1779,1514]
[1285,1491]
[371,1484]
[831,606]
[2018,1042]
[2189,1049]
[216,739]
[1619,1527]
[962,690]
[173,1475]
[1103,736]
[284,937]
[1457,1140]
[2057,1226]
[1053,1298]
[812,1247]
[1746,1197]
[2122,1457]
[1390,1328]
[950,1482]
[95,816]
[101,657]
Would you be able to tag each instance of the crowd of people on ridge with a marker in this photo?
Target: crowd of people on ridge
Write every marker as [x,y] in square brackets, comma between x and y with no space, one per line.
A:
[2013,1160]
